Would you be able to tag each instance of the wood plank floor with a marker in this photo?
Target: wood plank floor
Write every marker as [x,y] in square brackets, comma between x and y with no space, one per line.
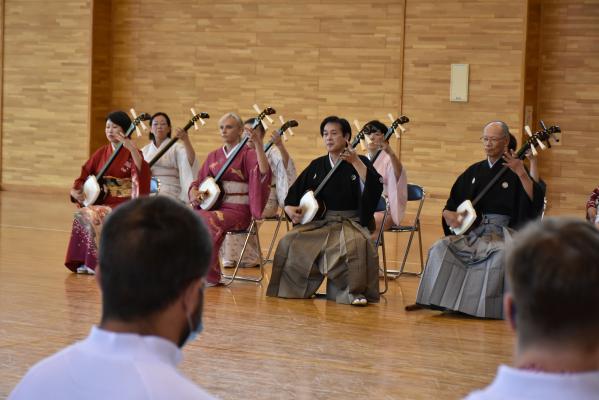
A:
[253,347]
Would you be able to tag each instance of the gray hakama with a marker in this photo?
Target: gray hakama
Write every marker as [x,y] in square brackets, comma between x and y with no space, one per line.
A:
[465,273]
[337,247]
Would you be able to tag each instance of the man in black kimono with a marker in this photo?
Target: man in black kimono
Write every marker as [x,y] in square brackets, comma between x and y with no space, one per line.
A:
[337,246]
[465,273]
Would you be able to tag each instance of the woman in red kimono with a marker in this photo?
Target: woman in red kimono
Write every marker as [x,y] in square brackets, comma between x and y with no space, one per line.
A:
[246,184]
[127,177]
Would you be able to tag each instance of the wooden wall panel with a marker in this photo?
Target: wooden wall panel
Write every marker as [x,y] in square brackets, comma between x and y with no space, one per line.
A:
[444,136]
[101,72]
[1,79]
[46,80]
[569,96]
[306,59]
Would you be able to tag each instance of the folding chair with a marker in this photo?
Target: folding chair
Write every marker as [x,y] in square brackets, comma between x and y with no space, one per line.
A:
[382,206]
[278,219]
[415,193]
[252,230]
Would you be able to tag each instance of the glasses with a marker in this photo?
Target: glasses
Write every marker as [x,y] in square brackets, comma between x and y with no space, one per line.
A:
[492,140]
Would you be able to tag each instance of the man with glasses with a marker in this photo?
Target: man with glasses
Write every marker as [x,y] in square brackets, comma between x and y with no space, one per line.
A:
[465,273]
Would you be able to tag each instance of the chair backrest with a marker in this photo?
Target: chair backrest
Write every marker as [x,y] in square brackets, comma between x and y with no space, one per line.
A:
[415,192]
[381,205]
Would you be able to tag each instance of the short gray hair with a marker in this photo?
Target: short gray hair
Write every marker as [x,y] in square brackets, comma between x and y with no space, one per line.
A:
[504,128]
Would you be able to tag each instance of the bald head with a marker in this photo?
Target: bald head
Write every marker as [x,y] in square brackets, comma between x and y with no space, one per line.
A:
[498,126]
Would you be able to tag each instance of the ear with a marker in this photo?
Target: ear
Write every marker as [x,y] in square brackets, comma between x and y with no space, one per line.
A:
[509,309]
[191,293]
[98,276]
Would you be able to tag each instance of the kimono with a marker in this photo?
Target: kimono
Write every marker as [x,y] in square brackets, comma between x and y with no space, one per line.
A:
[592,203]
[246,193]
[282,178]
[395,189]
[123,181]
[172,169]
[338,246]
[466,273]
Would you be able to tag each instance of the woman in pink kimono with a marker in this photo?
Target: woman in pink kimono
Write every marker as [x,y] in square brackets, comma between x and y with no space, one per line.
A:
[246,184]
[395,181]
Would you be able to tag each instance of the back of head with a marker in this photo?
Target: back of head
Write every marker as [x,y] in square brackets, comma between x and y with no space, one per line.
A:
[151,249]
[553,273]
[259,127]
[513,144]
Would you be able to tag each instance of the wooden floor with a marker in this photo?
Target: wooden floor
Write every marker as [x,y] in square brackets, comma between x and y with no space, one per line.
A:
[253,347]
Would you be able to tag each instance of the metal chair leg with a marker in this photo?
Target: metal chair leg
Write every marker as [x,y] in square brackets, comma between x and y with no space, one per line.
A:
[252,230]
[420,245]
[385,275]
[267,259]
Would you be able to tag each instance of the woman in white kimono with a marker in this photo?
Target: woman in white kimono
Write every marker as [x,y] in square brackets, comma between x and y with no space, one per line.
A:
[177,168]
[283,175]
[395,180]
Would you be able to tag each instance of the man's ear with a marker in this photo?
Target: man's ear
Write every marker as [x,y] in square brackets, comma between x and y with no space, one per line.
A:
[98,276]
[509,309]
[191,293]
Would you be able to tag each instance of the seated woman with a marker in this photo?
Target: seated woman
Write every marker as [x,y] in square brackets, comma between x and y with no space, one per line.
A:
[283,175]
[177,168]
[246,184]
[395,181]
[338,246]
[127,177]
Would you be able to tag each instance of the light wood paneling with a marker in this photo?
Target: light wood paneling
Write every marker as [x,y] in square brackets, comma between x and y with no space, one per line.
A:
[101,72]
[253,346]
[307,59]
[445,136]
[46,86]
[1,78]
[569,96]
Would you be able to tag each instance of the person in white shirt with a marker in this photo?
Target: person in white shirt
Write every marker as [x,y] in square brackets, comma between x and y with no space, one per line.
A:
[553,273]
[154,255]
[178,167]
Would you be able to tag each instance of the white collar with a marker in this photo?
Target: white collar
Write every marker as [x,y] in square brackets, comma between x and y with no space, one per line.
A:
[147,346]
[232,150]
[490,163]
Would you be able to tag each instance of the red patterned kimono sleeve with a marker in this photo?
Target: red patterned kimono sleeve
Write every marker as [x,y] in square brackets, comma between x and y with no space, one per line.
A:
[592,202]
[202,174]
